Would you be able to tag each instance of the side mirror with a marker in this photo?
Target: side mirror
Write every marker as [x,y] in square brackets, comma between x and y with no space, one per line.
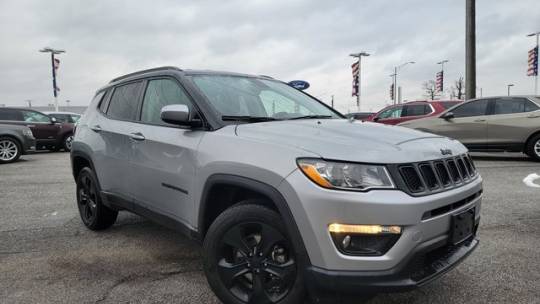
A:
[447,115]
[53,120]
[178,114]
[376,119]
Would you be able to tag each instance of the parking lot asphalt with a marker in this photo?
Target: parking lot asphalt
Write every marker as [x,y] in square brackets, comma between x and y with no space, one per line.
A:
[48,256]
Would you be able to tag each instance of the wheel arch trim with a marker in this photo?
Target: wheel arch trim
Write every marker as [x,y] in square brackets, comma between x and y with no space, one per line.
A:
[267,190]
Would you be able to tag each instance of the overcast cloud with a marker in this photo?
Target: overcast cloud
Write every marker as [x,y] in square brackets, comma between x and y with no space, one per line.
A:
[287,39]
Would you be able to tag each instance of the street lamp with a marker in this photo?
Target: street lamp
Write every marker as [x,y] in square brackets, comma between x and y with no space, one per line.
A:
[55,89]
[509,86]
[396,69]
[359,56]
[538,51]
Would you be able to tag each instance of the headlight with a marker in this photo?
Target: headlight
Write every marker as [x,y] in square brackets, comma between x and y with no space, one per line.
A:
[348,176]
[28,133]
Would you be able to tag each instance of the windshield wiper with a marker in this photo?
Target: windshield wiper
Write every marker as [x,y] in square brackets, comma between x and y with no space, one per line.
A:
[311,117]
[247,118]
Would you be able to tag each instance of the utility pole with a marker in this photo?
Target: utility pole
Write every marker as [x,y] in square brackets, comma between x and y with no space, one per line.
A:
[29,101]
[537,54]
[359,56]
[332,101]
[53,66]
[509,86]
[470,49]
[396,69]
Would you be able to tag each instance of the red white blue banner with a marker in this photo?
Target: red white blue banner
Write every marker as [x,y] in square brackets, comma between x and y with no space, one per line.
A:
[533,62]
[439,81]
[356,73]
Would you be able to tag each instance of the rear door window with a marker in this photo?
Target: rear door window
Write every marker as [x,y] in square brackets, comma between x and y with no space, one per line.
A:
[513,105]
[124,102]
[10,114]
[473,108]
[415,110]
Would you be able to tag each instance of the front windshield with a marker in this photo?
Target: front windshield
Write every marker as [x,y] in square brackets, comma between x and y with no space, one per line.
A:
[261,98]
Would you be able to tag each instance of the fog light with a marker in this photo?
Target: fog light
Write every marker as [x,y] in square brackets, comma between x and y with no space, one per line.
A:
[364,229]
[364,240]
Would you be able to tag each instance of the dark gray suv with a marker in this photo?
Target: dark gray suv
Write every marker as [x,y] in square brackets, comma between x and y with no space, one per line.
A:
[287,196]
[14,142]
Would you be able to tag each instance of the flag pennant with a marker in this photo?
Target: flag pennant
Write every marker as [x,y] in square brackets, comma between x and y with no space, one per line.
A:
[355,87]
[439,81]
[355,67]
[532,69]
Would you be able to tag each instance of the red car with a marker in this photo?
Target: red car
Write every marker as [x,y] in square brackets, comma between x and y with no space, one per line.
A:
[395,114]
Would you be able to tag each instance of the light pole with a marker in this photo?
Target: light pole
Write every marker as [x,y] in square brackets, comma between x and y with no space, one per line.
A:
[538,51]
[29,102]
[55,89]
[396,69]
[509,86]
[67,102]
[359,56]
[470,49]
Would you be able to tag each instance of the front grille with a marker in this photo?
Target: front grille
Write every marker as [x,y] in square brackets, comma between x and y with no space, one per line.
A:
[454,173]
[438,175]
[411,178]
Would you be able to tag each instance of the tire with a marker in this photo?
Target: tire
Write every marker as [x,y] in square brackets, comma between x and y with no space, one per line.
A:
[249,258]
[94,214]
[533,147]
[10,150]
[66,142]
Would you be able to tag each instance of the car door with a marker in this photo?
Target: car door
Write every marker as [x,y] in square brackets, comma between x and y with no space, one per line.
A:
[390,116]
[44,129]
[116,130]
[469,124]
[164,157]
[512,121]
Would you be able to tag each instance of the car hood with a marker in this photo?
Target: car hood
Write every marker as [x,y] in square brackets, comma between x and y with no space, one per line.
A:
[340,139]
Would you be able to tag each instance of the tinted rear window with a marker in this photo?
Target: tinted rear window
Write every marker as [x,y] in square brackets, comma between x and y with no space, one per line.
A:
[513,105]
[123,104]
[9,114]
[416,110]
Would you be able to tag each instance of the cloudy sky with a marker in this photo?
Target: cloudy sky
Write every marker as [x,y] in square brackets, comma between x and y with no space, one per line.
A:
[287,39]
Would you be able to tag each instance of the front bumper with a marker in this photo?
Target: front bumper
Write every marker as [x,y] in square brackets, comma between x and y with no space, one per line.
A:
[426,263]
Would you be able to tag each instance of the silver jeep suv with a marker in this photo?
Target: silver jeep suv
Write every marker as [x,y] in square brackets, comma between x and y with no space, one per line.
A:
[288,197]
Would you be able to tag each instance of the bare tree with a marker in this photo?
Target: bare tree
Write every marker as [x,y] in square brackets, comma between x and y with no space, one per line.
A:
[430,89]
[459,88]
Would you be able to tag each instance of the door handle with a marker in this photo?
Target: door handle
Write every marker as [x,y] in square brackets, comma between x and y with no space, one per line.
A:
[480,120]
[96,128]
[137,136]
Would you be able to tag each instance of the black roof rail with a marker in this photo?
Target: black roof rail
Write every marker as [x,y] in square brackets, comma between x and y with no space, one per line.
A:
[163,68]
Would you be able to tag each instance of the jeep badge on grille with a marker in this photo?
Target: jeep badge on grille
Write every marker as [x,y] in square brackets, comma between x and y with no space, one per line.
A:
[446,152]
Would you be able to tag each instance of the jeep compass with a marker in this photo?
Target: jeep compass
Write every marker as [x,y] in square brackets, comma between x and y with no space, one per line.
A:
[288,198]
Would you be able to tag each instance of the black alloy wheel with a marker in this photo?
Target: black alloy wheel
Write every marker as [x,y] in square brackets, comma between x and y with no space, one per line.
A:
[251,259]
[94,214]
